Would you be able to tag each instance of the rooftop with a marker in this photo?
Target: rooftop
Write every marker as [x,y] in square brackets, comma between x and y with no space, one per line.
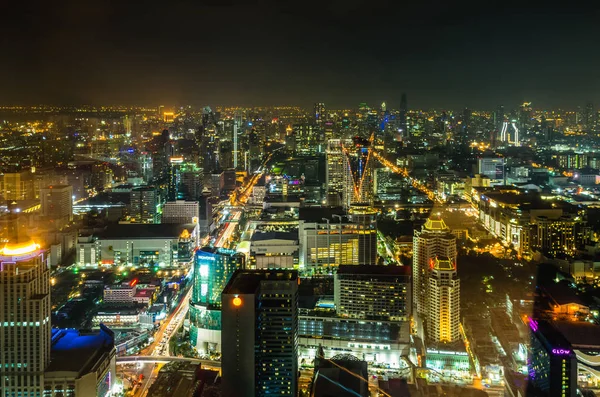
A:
[77,351]
[139,231]
[262,236]
[248,281]
[316,214]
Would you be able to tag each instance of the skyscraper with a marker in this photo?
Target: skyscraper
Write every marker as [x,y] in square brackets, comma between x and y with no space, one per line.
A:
[319,113]
[24,318]
[434,240]
[403,118]
[213,267]
[57,204]
[237,128]
[260,334]
[443,313]
[143,202]
[338,176]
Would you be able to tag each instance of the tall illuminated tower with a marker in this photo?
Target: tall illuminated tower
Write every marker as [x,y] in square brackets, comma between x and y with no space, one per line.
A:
[443,314]
[213,268]
[260,334]
[24,319]
[338,174]
[237,127]
[434,240]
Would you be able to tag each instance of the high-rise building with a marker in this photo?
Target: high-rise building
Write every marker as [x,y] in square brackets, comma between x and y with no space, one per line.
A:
[24,318]
[338,175]
[443,290]
[181,211]
[57,204]
[319,113]
[260,334]
[143,203]
[213,267]
[329,238]
[384,291]
[492,167]
[434,240]
[307,139]
[552,363]
[237,129]
[403,117]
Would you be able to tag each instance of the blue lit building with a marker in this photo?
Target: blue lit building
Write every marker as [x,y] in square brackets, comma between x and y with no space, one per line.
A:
[213,268]
[552,363]
[82,363]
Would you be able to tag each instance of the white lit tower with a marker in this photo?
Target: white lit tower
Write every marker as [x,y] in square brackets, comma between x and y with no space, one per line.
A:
[24,318]
[443,314]
[237,127]
[338,174]
[433,241]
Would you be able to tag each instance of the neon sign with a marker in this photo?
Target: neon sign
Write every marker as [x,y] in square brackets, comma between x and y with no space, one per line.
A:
[533,325]
[206,258]
[561,352]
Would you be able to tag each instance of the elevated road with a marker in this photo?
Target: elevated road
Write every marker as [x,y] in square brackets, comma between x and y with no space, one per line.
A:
[166,359]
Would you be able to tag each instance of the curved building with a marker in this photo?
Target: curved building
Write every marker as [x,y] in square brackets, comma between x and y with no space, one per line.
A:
[24,318]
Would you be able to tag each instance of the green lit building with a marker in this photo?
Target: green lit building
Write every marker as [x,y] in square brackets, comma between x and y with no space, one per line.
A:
[213,268]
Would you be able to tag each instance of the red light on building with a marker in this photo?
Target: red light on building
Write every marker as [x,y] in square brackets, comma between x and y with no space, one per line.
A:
[133,282]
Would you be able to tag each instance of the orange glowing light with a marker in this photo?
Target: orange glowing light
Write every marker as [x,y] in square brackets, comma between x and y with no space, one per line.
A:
[237,301]
[19,249]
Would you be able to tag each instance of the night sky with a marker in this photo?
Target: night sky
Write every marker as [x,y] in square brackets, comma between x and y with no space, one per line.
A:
[443,54]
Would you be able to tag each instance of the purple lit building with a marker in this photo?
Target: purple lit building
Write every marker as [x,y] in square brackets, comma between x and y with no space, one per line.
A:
[552,363]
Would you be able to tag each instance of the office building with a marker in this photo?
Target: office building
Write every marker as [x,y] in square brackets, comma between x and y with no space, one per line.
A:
[17,185]
[57,205]
[213,267]
[338,175]
[529,223]
[373,292]
[24,318]
[319,113]
[552,364]
[403,118]
[162,245]
[308,139]
[492,167]
[181,211]
[329,238]
[274,250]
[82,364]
[433,240]
[143,205]
[443,314]
[260,334]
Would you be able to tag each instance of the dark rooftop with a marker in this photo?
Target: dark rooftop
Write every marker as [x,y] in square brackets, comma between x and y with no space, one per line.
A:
[581,334]
[316,214]
[248,281]
[75,351]
[261,236]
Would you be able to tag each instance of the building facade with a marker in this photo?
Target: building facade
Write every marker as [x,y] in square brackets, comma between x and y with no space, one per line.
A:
[260,334]
[24,318]
[384,291]
[443,314]
[434,239]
